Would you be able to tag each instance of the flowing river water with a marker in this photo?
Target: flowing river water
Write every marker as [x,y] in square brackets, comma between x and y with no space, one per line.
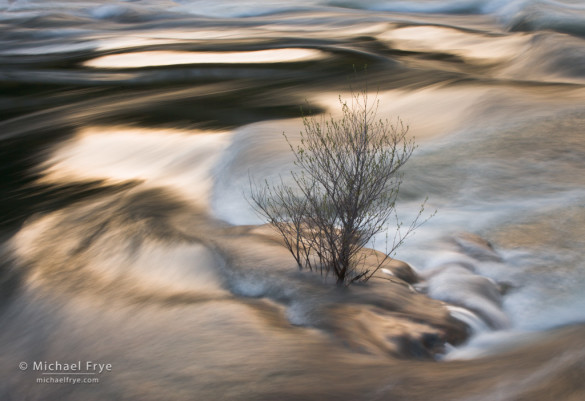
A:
[129,132]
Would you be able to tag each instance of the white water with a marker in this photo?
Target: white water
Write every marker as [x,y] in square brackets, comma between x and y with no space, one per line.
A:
[487,194]
[221,163]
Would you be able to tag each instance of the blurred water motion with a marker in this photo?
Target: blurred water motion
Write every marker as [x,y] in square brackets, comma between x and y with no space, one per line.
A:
[130,132]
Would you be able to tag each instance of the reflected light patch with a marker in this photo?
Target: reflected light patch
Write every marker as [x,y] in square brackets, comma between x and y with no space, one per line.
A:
[172,158]
[430,113]
[447,40]
[162,58]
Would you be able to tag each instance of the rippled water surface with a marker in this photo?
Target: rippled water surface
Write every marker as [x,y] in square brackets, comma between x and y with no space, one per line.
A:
[130,130]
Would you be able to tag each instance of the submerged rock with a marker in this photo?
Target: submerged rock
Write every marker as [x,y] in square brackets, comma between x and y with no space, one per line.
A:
[477,247]
[390,267]
[403,271]
[374,330]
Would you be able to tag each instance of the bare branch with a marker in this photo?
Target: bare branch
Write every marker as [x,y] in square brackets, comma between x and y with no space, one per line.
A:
[344,193]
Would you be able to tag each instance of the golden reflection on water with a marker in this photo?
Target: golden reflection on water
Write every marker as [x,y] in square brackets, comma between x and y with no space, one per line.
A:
[162,58]
[479,47]
[180,159]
